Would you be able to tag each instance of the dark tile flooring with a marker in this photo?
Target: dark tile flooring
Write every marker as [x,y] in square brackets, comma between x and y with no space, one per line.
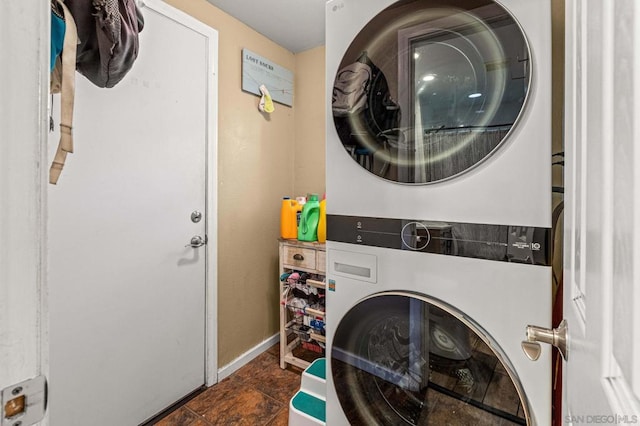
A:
[257,394]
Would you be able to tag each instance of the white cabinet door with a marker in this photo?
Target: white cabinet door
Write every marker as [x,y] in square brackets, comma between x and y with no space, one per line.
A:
[602,217]
[127,292]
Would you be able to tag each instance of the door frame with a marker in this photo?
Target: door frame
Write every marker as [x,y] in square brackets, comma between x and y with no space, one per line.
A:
[24,352]
[24,328]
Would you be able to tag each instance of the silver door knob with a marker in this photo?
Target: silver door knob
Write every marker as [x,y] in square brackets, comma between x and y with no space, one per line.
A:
[197,241]
[556,337]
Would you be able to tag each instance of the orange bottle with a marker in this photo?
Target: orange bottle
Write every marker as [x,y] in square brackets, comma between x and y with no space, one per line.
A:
[289,218]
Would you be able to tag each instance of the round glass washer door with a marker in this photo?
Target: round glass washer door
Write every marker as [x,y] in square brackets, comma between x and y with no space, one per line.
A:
[430,89]
[405,359]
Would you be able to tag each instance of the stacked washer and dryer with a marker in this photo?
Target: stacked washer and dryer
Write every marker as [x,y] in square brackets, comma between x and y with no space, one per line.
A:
[439,211]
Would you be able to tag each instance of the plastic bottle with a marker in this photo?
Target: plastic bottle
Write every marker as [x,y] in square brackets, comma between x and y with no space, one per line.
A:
[301,202]
[308,228]
[322,222]
[289,218]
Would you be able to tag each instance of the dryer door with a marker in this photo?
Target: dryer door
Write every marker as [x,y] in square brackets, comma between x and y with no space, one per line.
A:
[401,358]
[428,90]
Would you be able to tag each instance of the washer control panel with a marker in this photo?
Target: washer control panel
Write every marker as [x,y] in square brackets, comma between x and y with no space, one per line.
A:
[401,234]
[506,243]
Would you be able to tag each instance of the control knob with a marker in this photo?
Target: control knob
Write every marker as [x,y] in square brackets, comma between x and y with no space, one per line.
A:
[415,236]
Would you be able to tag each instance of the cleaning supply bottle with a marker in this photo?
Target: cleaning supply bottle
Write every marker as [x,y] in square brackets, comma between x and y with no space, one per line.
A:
[301,202]
[308,228]
[289,218]
[322,222]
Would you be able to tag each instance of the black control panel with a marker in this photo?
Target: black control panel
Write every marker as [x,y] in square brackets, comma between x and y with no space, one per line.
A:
[506,243]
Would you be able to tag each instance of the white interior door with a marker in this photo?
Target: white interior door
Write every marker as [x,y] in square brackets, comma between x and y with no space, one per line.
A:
[127,295]
[602,217]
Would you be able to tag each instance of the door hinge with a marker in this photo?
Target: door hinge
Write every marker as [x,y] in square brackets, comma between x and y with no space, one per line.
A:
[24,403]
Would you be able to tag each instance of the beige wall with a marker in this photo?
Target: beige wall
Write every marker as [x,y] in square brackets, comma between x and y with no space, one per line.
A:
[255,154]
[309,169]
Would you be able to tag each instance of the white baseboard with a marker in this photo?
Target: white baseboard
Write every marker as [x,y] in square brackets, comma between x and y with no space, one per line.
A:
[247,357]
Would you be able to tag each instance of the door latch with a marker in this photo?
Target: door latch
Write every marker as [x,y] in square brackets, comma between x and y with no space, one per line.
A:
[23,404]
[556,337]
[196,216]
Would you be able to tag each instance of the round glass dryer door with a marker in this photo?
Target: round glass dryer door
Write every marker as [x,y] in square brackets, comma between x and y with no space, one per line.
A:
[403,359]
[429,89]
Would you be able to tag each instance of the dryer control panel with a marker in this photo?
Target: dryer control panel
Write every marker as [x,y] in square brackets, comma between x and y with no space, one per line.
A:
[506,243]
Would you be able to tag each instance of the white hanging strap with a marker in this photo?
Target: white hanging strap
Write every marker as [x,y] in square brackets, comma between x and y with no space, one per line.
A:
[67,94]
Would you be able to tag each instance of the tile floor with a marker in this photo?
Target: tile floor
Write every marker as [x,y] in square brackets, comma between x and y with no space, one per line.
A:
[257,394]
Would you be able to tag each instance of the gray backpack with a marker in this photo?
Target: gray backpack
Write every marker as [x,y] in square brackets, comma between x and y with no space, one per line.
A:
[100,42]
[108,38]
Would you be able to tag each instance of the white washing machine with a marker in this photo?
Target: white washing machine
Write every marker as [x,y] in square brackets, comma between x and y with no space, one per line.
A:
[438,211]
[425,339]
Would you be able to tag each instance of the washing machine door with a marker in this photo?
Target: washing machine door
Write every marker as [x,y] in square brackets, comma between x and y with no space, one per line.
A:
[428,90]
[405,359]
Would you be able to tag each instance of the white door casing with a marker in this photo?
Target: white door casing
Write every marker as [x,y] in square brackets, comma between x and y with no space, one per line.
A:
[23,136]
[130,303]
[602,215]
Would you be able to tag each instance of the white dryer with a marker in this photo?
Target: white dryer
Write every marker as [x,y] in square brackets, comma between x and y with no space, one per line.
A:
[438,211]
[454,120]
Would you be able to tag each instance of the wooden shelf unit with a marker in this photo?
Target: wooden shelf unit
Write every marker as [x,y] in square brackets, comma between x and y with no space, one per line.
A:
[299,256]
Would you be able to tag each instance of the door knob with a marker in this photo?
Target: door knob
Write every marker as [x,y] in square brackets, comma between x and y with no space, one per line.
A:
[197,241]
[554,336]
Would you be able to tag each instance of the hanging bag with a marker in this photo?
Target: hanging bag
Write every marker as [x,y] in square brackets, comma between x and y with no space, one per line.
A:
[63,82]
[108,38]
[101,42]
